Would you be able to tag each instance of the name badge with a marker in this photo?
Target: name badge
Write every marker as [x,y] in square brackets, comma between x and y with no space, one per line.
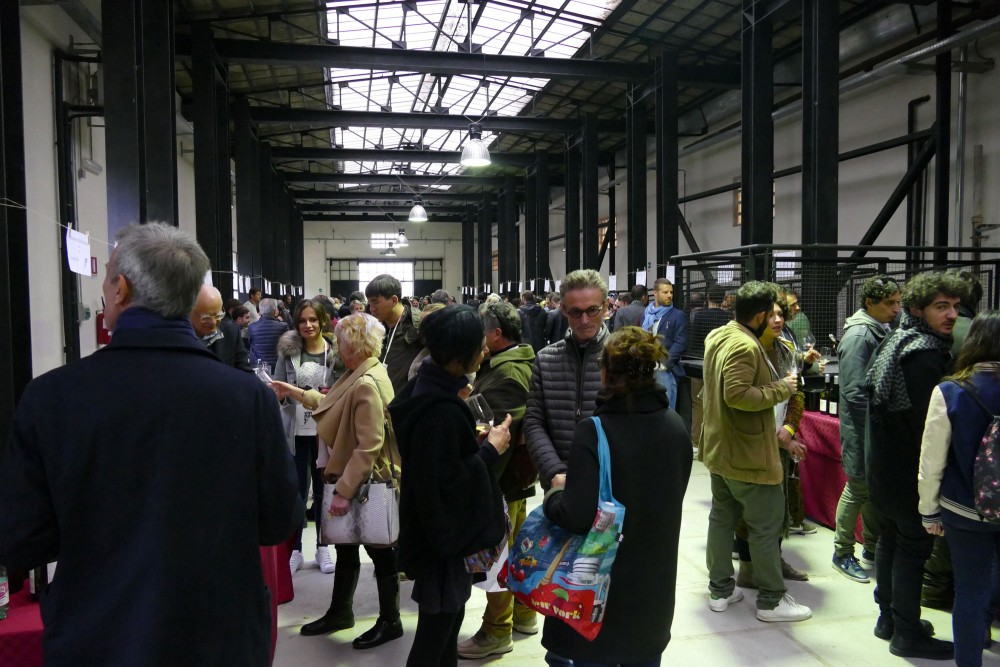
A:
[304,423]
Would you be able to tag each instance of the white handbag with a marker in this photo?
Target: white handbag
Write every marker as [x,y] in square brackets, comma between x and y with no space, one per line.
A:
[373,515]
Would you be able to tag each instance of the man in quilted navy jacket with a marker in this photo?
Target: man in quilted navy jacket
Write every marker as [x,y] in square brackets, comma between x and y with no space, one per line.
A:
[565,378]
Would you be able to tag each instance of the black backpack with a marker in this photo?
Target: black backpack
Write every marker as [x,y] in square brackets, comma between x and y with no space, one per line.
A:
[986,469]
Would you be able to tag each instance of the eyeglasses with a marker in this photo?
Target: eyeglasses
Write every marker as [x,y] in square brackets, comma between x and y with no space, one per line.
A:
[210,318]
[576,313]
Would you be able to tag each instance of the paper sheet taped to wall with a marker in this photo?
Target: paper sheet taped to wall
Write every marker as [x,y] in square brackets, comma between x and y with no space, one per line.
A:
[78,252]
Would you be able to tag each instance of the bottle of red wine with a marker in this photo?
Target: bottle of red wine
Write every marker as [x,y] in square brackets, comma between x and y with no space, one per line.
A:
[37,581]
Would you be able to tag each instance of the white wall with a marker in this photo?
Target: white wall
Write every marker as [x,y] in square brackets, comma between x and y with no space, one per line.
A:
[428,240]
[43,30]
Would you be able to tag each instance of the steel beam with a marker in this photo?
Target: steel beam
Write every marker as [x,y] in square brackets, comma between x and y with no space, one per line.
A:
[542,200]
[429,121]
[667,166]
[484,243]
[345,195]
[363,217]
[308,207]
[468,252]
[485,211]
[212,183]
[612,224]
[635,160]
[572,219]
[389,179]
[589,184]
[531,226]
[942,107]
[758,137]
[248,221]
[509,221]
[388,155]
[141,158]
[15,299]
[66,183]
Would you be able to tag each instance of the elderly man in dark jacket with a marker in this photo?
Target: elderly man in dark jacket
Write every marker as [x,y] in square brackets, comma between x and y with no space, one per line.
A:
[905,370]
[264,334]
[565,379]
[863,332]
[223,337]
[153,473]
[503,381]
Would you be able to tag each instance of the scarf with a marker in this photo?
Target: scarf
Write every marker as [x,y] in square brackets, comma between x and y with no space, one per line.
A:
[431,377]
[885,377]
[652,315]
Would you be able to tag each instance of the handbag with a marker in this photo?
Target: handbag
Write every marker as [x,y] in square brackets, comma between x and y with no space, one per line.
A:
[568,576]
[373,515]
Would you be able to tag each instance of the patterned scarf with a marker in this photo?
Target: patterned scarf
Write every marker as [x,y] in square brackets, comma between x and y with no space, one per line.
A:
[885,377]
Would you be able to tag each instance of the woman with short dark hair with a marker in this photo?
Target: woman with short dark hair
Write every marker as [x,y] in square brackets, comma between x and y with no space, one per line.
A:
[649,476]
[451,506]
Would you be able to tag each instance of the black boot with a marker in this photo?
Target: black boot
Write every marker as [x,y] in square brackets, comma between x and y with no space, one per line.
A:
[388,626]
[340,615]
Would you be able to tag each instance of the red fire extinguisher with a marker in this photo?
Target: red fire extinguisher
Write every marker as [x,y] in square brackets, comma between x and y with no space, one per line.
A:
[103,335]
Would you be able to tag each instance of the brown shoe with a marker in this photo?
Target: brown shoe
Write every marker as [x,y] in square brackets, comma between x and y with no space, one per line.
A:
[789,572]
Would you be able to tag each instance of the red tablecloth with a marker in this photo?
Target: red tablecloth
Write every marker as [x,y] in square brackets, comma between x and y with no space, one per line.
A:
[21,632]
[822,473]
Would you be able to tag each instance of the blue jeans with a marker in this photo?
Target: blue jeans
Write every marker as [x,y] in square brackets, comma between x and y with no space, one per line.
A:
[669,381]
[975,555]
[559,661]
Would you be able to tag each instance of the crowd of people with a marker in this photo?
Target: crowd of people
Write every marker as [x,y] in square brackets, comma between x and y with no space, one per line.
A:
[134,486]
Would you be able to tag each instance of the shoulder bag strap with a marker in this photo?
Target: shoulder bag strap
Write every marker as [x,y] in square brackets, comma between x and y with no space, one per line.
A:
[971,391]
[604,456]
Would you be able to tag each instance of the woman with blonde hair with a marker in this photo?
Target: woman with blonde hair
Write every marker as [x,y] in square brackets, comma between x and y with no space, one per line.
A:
[649,476]
[352,422]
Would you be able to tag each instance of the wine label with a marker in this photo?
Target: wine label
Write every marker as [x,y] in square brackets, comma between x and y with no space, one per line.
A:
[822,405]
[833,408]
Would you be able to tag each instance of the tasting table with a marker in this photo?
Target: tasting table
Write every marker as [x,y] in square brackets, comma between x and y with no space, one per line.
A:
[821,472]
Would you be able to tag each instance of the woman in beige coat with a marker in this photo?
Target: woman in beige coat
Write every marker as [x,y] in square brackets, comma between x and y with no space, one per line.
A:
[351,420]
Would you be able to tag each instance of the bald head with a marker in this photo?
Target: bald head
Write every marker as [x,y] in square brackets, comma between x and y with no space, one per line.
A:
[207,311]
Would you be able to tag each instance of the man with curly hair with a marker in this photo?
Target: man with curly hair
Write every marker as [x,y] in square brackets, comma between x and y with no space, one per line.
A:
[905,369]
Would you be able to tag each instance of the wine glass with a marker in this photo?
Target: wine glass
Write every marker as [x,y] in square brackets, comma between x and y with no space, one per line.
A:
[481,411]
[262,370]
[824,357]
[808,341]
[794,364]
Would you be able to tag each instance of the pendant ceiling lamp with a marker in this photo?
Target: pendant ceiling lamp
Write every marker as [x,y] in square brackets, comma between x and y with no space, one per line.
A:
[418,213]
[475,153]
[401,240]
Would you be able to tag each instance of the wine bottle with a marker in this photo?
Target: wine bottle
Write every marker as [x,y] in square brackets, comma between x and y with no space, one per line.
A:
[37,581]
[834,400]
[824,397]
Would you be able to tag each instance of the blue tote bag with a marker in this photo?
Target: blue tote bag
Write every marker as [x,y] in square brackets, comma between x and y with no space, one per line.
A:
[564,575]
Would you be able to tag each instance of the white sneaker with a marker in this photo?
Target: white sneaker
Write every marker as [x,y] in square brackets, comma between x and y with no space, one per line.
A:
[296,560]
[787,610]
[323,559]
[722,604]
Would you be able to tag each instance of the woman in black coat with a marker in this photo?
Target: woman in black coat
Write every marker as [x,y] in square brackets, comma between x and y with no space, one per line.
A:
[649,476]
[451,506]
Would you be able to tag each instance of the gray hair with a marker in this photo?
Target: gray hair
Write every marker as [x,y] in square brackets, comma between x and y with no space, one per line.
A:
[267,307]
[360,334]
[583,279]
[502,316]
[164,267]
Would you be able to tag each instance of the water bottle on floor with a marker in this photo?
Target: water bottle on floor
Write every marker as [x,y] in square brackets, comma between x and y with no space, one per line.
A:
[4,593]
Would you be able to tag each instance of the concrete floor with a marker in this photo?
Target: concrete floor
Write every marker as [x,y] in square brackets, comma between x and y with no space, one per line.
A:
[840,632]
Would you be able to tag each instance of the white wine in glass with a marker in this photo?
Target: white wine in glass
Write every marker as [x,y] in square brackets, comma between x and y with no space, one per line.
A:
[481,412]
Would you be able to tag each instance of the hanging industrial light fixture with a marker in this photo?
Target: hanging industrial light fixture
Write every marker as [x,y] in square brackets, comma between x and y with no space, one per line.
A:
[390,251]
[401,240]
[475,153]
[418,213]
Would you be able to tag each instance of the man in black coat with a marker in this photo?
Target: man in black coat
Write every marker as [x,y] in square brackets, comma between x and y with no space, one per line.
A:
[153,473]
[906,367]
[555,328]
[534,321]
[219,335]
[631,315]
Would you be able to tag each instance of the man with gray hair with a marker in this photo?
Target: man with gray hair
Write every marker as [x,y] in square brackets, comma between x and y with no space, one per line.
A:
[134,468]
[264,334]
[220,335]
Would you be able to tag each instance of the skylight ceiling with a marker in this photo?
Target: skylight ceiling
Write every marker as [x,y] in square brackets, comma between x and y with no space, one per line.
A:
[544,28]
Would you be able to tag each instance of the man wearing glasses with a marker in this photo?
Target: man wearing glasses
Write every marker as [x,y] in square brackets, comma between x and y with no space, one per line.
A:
[565,378]
[220,336]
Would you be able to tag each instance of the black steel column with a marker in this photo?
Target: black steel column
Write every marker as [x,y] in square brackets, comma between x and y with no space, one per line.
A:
[942,104]
[542,269]
[139,112]
[248,212]
[15,301]
[509,221]
[531,226]
[611,238]
[212,184]
[667,235]
[265,231]
[589,183]
[635,161]
[758,126]
[486,215]
[485,244]
[572,220]
[468,253]
[502,243]
[296,240]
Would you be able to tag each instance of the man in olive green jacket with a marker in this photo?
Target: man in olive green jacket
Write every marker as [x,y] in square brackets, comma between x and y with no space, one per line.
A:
[740,449]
